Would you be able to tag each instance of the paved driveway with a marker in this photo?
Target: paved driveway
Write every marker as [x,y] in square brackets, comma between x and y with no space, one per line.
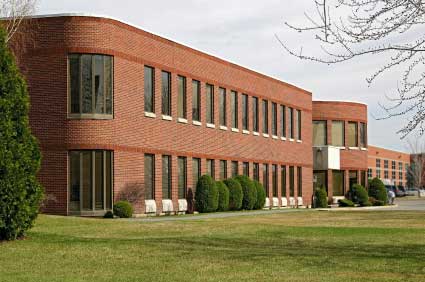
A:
[407,204]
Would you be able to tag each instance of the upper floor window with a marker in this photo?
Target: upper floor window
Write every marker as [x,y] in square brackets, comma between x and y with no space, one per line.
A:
[352,134]
[149,89]
[223,169]
[291,122]
[245,116]
[393,165]
[274,119]
[319,133]
[255,114]
[256,171]
[299,124]
[91,85]
[234,106]
[265,116]
[363,135]
[210,103]
[196,98]
[245,168]
[235,168]
[385,164]
[378,163]
[181,97]
[282,121]
[166,93]
[338,133]
[222,105]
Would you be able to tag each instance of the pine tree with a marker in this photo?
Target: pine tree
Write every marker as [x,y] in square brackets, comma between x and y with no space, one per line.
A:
[20,158]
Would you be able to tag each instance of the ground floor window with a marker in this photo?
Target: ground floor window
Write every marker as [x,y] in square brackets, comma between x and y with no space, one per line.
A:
[90,177]
[266,178]
[352,177]
[283,180]
[320,179]
[274,180]
[363,178]
[149,176]
[256,171]
[182,176]
[291,181]
[300,181]
[338,183]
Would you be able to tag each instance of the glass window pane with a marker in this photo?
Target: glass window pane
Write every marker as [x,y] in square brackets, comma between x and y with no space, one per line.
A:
[319,133]
[98,180]
[74,197]
[223,169]
[210,103]
[266,178]
[290,123]
[256,171]
[283,180]
[222,105]
[196,171]
[245,116]
[363,134]
[291,181]
[255,114]
[338,133]
[338,183]
[235,168]
[234,107]
[299,123]
[149,176]
[300,181]
[196,96]
[246,169]
[87,181]
[166,93]
[274,180]
[181,101]
[352,177]
[265,113]
[274,119]
[149,89]
[87,86]
[282,121]
[109,169]
[166,177]
[99,80]
[352,134]
[182,176]
[108,83]
[74,72]
[210,168]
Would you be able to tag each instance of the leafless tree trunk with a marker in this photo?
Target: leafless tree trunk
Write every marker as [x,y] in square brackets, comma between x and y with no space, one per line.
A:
[416,171]
[15,11]
[347,29]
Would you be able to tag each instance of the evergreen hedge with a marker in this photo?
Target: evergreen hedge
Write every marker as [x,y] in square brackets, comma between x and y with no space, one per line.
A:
[20,157]
[261,196]
[377,190]
[249,192]
[223,196]
[359,195]
[206,195]
[235,194]
[123,209]
[320,198]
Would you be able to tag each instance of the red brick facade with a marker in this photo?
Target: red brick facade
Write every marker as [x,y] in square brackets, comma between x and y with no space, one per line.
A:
[130,134]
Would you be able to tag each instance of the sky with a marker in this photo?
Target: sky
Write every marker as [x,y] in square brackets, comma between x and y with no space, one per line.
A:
[243,32]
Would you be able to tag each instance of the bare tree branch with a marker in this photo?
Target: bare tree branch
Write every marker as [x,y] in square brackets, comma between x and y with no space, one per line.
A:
[14,12]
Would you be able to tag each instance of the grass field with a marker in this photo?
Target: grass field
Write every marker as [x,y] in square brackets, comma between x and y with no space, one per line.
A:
[293,246]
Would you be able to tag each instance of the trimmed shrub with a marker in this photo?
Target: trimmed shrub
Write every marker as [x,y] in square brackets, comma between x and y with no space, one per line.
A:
[249,192]
[223,196]
[359,195]
[377,190]
[206,195]
[261,196]
[376,202]
[320,198]
[108,214]
[345,203]
[20,158]
[235,194]
[123,209]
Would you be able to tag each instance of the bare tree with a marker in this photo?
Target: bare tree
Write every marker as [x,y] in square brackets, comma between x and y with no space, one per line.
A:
[347,29]
[133,192]
[15,12]
[416,170]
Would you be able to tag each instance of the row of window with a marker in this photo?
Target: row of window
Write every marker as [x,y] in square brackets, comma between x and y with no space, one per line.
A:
[182,172]
[339,133]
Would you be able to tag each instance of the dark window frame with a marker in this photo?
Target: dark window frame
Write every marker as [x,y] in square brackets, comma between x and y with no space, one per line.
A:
[151,95]
[166,93]
[181,97]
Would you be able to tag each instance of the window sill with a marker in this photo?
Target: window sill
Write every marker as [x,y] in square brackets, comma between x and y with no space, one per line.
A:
[90,116]
[235,130]
[182,120]
[353,148]
[165,117]
[363,149]
[283,138]
[299,141]
[245,131]
[266,135]
[222,127]
[275,137]
[255,133]
[150,115]
[197,123]
[291,140]
[210,125]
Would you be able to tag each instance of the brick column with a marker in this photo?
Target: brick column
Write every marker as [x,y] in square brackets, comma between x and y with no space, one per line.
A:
[330,185]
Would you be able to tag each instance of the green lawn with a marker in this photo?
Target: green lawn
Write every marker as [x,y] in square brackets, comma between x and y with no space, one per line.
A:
[294,246]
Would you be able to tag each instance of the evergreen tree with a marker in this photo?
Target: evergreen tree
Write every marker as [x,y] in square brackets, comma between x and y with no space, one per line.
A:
[20,158]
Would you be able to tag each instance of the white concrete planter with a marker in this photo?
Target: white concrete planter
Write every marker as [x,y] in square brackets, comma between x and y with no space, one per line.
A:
[167,206]
[150,206]
[267,204]
[300,201]
[336,199]
[284,202]
[275,202]
[182,205]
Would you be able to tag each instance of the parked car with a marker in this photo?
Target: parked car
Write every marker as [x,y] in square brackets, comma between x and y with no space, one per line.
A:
[400,191]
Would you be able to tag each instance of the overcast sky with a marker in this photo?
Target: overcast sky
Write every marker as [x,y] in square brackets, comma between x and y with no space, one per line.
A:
[243,32]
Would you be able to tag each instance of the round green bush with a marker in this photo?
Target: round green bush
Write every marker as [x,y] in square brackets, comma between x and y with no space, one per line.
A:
[359,195]
[108,214]
[377,190]
[249,192]
[223,196]
[206,195]
[261,196]
[345,203]
[235,194]
[123,209]
[320,198]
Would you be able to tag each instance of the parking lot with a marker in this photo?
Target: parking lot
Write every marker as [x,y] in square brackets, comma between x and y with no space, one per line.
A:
[410,204]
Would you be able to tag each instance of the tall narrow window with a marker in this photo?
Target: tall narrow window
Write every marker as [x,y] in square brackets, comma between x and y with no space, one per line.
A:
[210,103]
[149,89]
[274,180]
[196,98]
[274,119]
[266,178]
[283,181]
[90,80]
[363,134]
[234,106]
[182,177]
[211,168]
[166,177]
[282,121]
[181,97]
[246,169]
[256,171]
[319,133]
[222,104]
[291,123]
[166,93]
[352,134]
[300,181]
[255,114]
[291,181]
[338,133]
[299,125]
[149,176]
[196,171]
[338,182]
[352,176]
[223,169]
[235,168]
[265,116]
[245,115]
